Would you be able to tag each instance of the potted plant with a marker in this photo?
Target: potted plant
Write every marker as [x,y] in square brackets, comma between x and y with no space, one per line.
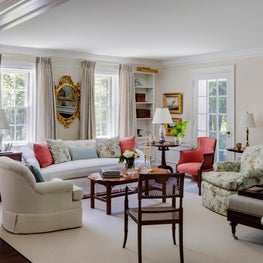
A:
[179,130]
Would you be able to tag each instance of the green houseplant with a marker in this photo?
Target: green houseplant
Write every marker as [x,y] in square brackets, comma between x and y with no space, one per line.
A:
[179,130]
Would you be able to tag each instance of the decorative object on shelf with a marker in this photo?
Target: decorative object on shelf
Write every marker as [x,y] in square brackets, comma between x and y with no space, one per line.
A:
[140,97]
[67,100]
[3,125]
[239,146]
[147,69]
[174,102]
[143,113]
[162,116]
[179,131]
[129,156]
[247,120]
[137,83]
[169,126]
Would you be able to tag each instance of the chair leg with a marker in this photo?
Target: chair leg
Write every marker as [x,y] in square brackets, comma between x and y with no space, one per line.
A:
[173,232]
[199,180]
[125,229]
[139,234]
[181,248]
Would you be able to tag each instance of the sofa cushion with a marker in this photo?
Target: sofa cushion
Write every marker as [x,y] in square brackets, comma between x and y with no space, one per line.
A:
[59,151]
[127,143]
[108,148]
[36,172]
[28,155]
[42,154]
[79,153]
[228,180]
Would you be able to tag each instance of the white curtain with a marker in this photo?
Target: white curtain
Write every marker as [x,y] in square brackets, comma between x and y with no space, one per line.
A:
[46,101]
[127,102]
[87,103]
[0,81]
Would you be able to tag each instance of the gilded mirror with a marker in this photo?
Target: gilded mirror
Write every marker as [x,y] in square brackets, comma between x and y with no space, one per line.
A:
[67,100]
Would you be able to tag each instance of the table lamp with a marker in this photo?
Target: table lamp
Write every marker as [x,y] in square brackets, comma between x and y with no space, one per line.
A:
[247,120]
[3,125]
[162,116]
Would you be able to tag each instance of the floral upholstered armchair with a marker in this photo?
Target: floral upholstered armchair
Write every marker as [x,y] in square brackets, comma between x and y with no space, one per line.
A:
[229,177]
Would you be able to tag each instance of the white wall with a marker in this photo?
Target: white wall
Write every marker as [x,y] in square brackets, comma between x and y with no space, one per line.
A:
[248,92]
[72,68]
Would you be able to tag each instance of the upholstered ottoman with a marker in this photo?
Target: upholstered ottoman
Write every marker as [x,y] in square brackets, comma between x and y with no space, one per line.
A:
[244,210]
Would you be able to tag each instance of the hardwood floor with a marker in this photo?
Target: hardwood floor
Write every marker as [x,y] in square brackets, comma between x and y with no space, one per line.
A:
[9,255]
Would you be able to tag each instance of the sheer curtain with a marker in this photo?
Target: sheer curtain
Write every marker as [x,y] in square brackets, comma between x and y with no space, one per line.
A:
[0,81]
[46,100]
[127,102]
[87,95]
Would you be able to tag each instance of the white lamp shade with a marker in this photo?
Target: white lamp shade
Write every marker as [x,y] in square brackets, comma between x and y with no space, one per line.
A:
[162,115]
[3,120]
[247,120]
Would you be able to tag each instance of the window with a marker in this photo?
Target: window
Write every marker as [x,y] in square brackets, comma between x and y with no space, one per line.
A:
[15,89]
[106,105]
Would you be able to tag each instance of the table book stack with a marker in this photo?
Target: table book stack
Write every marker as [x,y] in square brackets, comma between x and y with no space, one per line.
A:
[110,172]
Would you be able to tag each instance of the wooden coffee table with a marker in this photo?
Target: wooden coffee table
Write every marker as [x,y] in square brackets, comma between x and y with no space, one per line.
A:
[109,183]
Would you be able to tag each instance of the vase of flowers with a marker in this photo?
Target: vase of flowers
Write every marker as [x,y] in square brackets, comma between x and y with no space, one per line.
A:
[129,156]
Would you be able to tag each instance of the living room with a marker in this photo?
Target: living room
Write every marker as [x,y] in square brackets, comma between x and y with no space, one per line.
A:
[193,51]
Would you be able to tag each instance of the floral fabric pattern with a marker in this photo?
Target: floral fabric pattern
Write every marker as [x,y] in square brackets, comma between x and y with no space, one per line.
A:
[59,151]
[108,148]
[221,183]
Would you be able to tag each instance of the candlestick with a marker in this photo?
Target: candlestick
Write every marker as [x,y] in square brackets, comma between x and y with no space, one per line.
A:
[145,154]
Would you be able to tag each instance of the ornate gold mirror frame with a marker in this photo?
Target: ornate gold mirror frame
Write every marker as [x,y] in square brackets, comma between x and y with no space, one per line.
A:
[67,100]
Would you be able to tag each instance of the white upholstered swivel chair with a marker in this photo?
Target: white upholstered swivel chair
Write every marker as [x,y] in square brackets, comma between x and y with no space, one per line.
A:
[30,207]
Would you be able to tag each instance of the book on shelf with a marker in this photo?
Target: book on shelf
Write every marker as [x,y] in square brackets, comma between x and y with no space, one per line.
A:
[110,172]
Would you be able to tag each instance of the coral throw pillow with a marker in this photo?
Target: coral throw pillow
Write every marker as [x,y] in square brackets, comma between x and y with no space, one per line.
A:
[43,154]
[127,143]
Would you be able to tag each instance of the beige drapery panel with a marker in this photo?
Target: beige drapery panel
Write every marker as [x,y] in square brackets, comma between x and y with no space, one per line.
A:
[46,100]
[87,103]
[0,81]
[127,102]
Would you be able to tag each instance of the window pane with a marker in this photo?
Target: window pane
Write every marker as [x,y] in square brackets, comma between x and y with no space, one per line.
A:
[20,98]
[212,87]
[222,104]
[212,123]
[20,116]
[212,105]
[222,123]
[222,87]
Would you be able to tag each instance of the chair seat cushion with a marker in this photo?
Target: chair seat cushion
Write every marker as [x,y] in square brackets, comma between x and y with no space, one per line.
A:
[189,168]
[228,180]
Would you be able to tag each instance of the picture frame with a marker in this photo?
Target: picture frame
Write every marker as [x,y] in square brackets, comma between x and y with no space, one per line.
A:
[169,126]
[174,102]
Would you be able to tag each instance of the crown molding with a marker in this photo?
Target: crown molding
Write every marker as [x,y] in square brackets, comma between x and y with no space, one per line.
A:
[212,57]
[14,12]
[73,55]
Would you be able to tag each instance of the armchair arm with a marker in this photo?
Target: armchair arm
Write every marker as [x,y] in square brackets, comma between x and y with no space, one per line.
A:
[228,166]
[207,162]
[53,187]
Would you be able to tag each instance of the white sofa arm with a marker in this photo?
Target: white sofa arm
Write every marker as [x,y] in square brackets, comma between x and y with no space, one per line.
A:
[53,187]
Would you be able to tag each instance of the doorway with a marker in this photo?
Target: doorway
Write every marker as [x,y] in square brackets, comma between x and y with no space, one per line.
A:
[212,112]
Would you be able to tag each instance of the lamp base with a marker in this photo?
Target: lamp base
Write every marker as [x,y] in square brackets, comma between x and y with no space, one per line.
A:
[161,134]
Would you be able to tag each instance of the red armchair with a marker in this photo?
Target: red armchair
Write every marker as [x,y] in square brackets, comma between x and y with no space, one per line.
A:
[197,160]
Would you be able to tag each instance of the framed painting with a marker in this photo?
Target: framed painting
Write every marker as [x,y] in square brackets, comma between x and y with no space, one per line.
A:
[174,102]
[168,126]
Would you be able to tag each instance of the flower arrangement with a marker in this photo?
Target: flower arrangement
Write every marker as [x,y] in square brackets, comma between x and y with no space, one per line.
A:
[129,156]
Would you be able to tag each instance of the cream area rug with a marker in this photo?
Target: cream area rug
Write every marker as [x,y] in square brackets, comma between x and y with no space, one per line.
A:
[207,238]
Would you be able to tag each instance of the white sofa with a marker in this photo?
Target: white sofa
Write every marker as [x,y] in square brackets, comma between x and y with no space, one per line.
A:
[76,170]
[30,207]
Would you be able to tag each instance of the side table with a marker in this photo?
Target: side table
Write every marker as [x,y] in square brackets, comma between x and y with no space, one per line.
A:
[17,156]
[163,147]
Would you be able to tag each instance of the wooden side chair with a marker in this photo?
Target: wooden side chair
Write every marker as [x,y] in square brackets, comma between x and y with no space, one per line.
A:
[157,186]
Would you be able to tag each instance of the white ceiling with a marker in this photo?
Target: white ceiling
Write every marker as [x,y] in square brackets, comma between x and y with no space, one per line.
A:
[148,29]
